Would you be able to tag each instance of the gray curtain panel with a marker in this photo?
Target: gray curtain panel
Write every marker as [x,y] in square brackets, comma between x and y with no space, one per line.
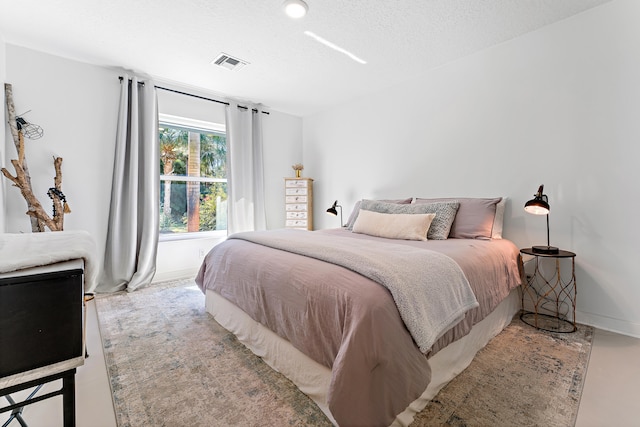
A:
[132,236]
[245,176]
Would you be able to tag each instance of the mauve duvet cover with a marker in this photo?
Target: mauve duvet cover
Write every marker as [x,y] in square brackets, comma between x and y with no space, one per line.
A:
[348,322]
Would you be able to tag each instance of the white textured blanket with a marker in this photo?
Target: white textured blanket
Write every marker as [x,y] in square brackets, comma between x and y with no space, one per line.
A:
[25,250]
[430,290]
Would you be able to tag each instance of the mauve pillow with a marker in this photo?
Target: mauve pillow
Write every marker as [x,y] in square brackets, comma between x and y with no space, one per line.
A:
[356,209]
[474,219]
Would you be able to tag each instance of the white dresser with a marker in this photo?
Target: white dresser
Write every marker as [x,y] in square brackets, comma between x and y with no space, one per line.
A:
[299,203]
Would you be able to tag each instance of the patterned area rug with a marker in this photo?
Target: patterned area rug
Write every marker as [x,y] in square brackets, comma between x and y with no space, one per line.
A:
[523,377]
[171,364]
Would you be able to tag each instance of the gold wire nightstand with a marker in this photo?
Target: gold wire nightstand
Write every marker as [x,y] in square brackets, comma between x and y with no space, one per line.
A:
[541,290]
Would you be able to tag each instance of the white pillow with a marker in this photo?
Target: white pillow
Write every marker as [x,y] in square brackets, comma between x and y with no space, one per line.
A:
[498,220]
[393,226]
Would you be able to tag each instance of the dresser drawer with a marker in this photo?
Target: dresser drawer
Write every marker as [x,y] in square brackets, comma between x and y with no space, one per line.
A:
[295,207]
[296,199]
[296,215]
[302,223]
[296,191]
[296,183]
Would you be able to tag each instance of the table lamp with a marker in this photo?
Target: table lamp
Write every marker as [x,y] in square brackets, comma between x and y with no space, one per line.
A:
[539,205]
[332,210]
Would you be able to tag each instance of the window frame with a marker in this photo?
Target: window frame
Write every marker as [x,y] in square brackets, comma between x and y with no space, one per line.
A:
[195,125]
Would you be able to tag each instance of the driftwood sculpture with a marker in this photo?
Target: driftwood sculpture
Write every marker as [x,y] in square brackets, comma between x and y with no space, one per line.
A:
[39,217]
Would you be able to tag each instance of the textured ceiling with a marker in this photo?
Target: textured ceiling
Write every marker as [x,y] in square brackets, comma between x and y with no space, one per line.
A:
[175,40]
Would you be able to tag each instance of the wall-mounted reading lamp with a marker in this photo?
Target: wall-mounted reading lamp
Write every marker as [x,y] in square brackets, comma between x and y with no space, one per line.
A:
[333,211]
[539,205]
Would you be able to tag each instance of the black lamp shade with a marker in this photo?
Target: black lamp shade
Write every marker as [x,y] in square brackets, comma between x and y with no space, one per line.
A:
[539,205]
[332,210]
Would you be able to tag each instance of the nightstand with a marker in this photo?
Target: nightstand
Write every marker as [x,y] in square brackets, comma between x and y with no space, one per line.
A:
[548,296]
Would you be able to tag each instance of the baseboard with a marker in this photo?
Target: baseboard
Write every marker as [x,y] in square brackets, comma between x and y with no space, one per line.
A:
[611,324]
[175,274]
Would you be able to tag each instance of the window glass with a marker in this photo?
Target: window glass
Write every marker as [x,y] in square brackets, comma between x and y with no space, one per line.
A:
[193,176]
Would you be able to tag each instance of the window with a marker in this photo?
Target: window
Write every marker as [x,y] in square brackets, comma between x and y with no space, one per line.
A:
[193,177]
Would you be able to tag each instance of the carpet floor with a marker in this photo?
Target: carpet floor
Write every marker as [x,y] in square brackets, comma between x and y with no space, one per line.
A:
[171,364]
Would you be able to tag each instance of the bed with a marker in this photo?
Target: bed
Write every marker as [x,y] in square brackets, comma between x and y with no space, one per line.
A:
[372,319]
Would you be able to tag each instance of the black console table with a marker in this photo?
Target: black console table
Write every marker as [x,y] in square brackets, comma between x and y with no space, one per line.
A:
[41,335]
[67,391]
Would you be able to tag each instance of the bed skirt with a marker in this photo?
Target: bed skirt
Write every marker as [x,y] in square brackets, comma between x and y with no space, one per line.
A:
[313,378]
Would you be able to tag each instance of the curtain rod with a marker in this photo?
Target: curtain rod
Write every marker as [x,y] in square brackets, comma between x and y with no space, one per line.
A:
[199,97]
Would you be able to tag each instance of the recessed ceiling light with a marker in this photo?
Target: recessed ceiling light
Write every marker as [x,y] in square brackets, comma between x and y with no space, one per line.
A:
[295,8]
[334,47]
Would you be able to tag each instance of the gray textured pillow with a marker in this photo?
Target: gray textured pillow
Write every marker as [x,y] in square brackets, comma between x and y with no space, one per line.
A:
[441,224]
[356,209]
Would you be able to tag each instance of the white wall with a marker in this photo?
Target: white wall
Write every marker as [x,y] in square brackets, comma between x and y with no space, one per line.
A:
[282,139]
[76,104]
[558,107]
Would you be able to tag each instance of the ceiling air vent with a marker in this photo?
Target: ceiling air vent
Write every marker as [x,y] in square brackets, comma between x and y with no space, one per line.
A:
[229,62]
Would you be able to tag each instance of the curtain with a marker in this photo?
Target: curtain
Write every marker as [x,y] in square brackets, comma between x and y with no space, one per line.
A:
[245,177]
[132,236]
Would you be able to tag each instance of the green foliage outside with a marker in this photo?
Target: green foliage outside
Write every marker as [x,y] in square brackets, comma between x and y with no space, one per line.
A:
[173,194]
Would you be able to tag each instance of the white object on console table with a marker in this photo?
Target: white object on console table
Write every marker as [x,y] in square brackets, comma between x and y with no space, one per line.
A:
[19,251]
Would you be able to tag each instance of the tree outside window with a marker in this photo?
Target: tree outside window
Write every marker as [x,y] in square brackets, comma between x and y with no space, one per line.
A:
[193,165]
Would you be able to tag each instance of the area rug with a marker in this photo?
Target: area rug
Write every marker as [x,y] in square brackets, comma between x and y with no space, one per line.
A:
[523,377]
[171,364]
